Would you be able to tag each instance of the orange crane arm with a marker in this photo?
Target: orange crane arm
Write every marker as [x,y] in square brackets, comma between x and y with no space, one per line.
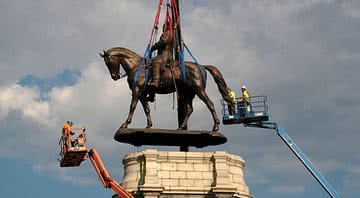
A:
[104,176]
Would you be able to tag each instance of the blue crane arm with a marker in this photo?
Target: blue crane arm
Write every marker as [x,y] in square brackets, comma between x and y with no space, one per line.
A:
[299,154]
[302,157]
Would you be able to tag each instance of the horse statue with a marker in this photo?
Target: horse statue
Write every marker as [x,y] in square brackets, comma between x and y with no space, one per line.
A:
[171,81]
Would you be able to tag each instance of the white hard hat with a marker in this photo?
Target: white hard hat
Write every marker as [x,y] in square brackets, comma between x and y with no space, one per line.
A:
[243,87]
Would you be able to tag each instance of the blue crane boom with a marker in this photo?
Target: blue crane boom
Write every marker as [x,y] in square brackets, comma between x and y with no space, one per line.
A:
[299,154]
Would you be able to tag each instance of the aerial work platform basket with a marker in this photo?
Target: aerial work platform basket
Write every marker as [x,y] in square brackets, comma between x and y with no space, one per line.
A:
[242,113]
[73,156]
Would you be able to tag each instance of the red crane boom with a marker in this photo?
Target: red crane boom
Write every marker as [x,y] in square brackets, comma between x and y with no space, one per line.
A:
[104,176]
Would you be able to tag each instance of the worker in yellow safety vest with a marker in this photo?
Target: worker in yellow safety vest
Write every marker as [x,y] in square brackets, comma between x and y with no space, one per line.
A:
[67,132]
[246,98]
[231,107]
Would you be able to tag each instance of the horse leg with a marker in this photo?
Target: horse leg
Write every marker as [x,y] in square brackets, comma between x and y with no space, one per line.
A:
[146,108]
[181,110]
[210,105]
[189,109]
[134,101]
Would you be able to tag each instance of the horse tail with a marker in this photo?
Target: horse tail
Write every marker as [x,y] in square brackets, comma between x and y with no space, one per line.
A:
[220,81]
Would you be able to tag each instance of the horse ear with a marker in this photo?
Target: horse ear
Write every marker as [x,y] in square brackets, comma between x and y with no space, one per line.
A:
[105,54]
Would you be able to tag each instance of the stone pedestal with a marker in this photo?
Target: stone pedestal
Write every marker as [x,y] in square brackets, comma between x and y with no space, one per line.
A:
[153,174]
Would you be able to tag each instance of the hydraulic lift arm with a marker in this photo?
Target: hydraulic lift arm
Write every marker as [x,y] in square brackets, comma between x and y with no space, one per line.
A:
[104,176]
[299,154]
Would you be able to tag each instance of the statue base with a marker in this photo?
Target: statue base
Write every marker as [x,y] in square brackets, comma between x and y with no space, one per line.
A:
[167,137]
[160,174]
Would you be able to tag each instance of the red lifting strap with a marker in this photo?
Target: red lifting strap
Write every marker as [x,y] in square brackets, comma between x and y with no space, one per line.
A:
[168,21]
[176,14]
[156,22]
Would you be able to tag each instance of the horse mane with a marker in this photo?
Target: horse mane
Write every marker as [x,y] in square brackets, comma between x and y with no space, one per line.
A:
[123,52]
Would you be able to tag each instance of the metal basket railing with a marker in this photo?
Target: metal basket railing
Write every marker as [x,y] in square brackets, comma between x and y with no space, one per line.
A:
[258,104]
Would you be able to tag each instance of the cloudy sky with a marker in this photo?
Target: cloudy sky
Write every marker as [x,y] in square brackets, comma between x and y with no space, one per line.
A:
[303,54]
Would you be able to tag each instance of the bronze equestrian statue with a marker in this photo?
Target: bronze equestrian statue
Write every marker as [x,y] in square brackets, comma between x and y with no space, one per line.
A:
[194,84]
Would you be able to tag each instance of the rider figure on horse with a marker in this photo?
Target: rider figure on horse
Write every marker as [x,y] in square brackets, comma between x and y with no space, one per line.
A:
[165,54]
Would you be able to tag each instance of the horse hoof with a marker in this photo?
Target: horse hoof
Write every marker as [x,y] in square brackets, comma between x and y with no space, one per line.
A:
[215,128]
[182,128]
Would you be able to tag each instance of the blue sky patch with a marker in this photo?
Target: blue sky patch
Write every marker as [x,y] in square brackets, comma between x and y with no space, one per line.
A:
[65,78]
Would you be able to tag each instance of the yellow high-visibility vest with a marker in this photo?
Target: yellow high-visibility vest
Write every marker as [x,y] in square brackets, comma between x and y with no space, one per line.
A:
[246,95]
[232,95]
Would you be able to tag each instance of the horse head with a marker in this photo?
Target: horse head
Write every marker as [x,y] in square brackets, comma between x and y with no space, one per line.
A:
[112,63]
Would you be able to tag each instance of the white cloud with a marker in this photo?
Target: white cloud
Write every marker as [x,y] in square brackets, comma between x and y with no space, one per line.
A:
[24,100]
